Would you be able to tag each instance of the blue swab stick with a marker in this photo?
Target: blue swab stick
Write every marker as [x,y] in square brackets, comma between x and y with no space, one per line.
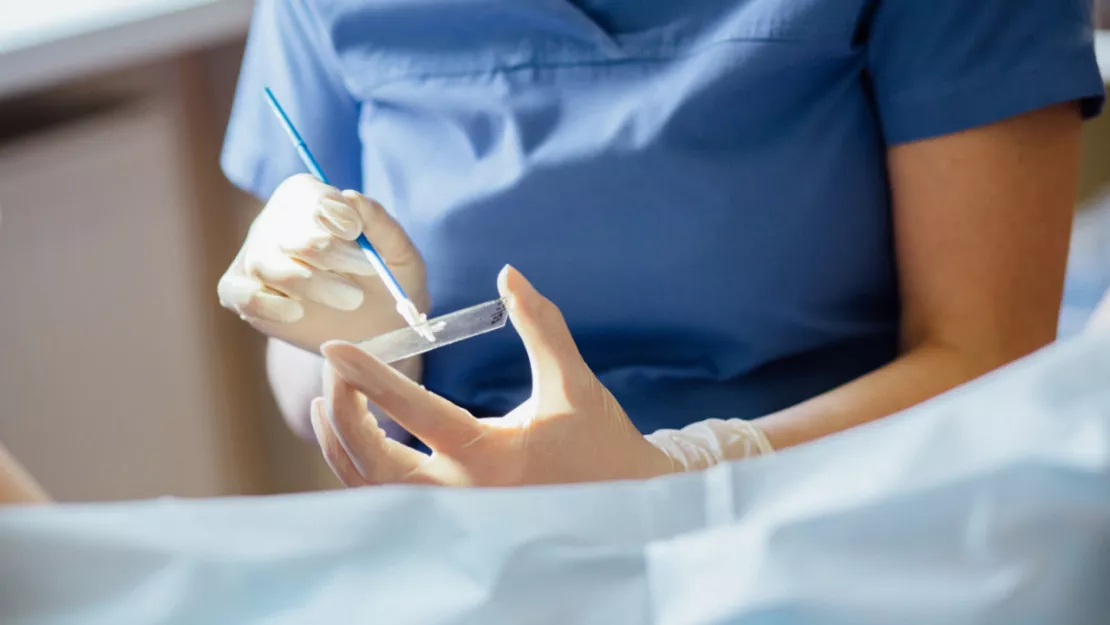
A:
[405,307]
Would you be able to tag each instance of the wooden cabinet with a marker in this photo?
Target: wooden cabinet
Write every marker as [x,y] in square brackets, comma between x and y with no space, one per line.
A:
[106,360]
[120,375]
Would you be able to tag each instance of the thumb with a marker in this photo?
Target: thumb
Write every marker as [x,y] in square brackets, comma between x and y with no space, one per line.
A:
[383,231]
[553,355]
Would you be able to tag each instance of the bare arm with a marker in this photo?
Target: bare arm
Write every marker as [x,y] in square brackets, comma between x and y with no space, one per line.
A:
[982,221]
[16,484]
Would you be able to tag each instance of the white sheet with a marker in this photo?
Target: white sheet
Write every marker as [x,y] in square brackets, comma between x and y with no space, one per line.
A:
[990,505]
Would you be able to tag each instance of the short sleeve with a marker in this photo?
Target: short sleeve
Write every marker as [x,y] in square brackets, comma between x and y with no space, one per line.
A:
[942,66]
[289,51]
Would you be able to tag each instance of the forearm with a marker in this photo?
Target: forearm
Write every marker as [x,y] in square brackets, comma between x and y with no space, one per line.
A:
[16,484]
[982,220]
[918,375]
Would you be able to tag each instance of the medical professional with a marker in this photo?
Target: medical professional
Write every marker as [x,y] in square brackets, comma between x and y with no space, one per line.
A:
[798,215]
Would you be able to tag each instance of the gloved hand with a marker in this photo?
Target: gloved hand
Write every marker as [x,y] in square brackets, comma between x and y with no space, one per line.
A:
[571,429]
[300,276]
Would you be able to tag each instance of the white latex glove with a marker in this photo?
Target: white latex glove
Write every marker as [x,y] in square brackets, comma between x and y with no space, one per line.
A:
[706,443]
[571,429]
[301,278]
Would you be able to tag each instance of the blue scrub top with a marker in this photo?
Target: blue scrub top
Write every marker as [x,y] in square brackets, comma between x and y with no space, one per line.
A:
[698,184]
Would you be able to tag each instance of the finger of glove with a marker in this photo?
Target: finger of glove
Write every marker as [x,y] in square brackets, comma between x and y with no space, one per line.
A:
[334,453]
[249,298]
[441,425]
[379,460]
[301,281]
[303,196]
[559,374]
[336,214]
[323,250]
[383,231]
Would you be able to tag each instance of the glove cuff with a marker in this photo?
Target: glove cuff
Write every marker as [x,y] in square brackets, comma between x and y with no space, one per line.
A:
[763,444]
[706,443]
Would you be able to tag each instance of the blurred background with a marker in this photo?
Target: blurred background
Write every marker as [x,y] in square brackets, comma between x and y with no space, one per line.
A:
[111,119]
[139,385]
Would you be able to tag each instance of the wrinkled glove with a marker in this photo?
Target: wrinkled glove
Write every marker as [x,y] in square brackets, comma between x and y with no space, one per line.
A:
[300,276]
[706,443]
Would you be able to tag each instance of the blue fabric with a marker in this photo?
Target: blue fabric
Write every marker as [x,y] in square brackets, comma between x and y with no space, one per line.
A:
[699,185]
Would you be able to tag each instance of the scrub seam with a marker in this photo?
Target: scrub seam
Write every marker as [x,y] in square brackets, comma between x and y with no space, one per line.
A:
[978,84]
[599,62]
[908,117]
